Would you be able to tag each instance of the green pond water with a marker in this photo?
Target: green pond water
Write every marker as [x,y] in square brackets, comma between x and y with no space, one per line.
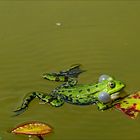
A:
[46,36]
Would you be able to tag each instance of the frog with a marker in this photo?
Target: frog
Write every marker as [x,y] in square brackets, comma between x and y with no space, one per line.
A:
[104,93]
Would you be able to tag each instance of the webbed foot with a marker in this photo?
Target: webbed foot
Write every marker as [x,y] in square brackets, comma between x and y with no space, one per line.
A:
[64,76]
[19,111]
[47,98]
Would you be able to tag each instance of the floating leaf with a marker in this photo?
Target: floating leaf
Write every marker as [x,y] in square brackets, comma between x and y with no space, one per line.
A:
[130,105]
[33,128]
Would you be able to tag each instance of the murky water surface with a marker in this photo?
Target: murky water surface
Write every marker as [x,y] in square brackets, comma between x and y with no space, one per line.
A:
[46,36]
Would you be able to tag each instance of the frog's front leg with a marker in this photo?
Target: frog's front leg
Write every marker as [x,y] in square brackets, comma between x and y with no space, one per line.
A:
[53,100]
[102,106]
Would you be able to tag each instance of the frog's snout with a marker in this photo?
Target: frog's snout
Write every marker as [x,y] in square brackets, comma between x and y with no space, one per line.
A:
[123,85]
[120,85]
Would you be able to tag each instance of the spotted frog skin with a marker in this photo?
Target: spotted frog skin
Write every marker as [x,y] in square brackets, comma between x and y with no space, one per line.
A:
[78,94]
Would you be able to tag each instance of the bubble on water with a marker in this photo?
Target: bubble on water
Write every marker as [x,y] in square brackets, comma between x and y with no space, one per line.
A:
[30,137]
[58,23]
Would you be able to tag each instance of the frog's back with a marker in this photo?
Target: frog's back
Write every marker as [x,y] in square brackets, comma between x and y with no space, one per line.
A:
[75,90]
[79,94]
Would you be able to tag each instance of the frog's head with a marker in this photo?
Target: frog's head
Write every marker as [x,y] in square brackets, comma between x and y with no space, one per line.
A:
[110,88]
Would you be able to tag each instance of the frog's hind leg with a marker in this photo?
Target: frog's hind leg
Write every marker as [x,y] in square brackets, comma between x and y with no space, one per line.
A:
[47,98]
[74,71]
[64,76]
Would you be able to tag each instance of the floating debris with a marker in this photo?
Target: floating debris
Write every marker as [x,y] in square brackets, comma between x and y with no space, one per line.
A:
[33,128]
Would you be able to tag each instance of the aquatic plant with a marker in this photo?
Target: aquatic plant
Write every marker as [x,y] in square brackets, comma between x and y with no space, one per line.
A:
[34,128]
[130,105]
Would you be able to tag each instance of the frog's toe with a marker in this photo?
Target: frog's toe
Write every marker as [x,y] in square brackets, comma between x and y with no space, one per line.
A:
[19,111]
[75,70]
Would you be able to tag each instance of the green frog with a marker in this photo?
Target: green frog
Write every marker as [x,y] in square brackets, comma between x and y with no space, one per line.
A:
[105,93]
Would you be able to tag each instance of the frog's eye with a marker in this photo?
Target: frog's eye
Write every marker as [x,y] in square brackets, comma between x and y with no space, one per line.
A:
[103,77]
[111,84]
[104,97]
